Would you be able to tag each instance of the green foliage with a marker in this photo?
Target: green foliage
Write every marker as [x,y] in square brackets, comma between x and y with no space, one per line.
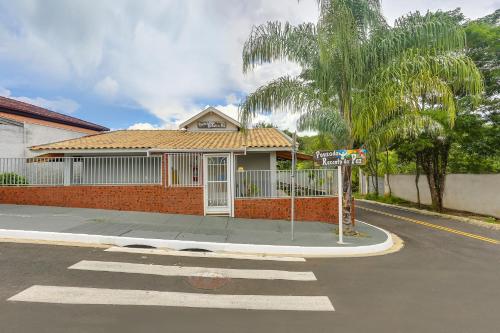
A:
[264,124]
[484,49]
[252,190]
[475,137]
[475,144]
[11,178]
[365,83]
[385,199]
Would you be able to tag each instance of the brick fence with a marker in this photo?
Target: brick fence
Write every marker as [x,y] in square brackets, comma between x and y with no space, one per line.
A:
[323,209]
[174,200]
[145,198]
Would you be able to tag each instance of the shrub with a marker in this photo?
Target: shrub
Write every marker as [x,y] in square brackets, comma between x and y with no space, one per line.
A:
[11,178]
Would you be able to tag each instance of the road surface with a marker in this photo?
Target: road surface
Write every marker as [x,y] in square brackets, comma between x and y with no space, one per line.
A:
[445,279]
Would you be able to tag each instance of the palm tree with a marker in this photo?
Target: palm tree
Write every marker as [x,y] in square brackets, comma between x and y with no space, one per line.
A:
[362,81]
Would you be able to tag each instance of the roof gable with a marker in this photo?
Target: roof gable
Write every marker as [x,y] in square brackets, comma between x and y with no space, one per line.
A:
[206,123]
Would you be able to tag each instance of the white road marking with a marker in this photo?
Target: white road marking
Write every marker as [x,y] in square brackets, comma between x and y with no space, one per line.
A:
[77,295]
[123,267]
[201,254]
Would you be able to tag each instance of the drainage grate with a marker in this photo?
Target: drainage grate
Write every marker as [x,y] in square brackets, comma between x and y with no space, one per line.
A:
[140,246]
[196,250]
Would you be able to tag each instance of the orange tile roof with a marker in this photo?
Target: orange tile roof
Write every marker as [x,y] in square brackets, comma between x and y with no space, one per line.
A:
[175,140]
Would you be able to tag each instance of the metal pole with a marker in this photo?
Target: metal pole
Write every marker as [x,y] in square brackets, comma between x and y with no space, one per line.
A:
[292,217]
[340,194]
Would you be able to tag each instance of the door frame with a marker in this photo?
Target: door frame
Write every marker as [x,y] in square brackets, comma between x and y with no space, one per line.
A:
[226,210]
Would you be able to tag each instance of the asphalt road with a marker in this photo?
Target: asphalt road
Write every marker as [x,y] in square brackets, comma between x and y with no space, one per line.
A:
[441,281]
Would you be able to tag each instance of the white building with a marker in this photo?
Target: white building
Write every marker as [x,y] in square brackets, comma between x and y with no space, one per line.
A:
[23,125]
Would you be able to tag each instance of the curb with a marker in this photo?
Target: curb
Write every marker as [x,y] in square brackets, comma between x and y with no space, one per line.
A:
[447,216]
[303,251]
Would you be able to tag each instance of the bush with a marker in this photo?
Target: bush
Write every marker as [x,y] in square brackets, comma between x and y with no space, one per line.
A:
[384,199]
[11,178]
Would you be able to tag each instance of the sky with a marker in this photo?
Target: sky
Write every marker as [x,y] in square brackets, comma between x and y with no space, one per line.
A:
[152,64]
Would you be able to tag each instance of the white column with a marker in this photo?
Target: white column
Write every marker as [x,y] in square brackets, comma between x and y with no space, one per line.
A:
[68,171]
[272,166]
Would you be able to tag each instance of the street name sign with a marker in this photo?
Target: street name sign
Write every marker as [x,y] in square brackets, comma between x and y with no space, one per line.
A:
[341,157]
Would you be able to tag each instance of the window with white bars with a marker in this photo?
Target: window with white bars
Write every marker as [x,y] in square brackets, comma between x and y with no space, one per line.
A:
[185,169]
[65,171]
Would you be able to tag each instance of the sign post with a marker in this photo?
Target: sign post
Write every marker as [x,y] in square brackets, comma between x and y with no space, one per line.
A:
[340,158]
[340,195]
[294,157]
[292,195]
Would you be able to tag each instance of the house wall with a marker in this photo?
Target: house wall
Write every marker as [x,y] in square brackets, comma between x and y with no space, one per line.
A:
[15,140]
[12,140]
[254,161]
[322,209]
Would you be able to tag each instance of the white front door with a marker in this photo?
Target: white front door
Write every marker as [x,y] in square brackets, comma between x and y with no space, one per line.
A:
[217,175]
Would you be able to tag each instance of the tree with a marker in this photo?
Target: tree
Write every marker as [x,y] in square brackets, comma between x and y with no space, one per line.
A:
[361,80]
[475,139]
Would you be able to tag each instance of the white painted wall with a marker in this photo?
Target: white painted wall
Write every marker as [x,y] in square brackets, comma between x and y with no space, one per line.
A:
[473,193]
[11,140]
[16,140]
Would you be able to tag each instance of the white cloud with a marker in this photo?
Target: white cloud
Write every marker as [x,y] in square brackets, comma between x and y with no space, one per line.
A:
[59,104]
[144,126]
[167,56]
[283,120]
[107,87]
[232,99]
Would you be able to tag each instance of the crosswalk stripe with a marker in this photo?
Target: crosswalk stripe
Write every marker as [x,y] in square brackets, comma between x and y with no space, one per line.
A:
[78,295]
[123,267]
[201,254]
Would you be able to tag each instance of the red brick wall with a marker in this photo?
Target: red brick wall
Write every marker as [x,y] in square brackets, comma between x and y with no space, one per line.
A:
[146,198]
[175,200]
[306,209]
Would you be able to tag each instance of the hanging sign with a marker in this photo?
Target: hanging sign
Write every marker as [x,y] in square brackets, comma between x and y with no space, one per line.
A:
[211,124]
[341,157]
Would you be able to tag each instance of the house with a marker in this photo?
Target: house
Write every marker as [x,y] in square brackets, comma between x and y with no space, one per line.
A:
[23,125]
[209,166]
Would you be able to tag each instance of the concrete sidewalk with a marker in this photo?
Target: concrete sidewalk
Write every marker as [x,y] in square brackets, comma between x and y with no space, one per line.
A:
[185,231]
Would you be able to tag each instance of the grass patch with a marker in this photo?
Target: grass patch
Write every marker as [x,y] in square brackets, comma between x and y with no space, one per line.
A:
[384,199]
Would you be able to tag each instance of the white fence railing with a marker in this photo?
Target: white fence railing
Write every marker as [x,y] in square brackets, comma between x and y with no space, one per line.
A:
[185,169]
[278,183]
[60,171]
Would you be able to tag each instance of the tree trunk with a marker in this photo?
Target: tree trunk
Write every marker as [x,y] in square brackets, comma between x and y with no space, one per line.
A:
[347,216]
[387,171]
[434,162]
[417,178]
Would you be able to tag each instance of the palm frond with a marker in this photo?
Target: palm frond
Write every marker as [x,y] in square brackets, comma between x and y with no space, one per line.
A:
[285,93]
[276,41]
[326,121]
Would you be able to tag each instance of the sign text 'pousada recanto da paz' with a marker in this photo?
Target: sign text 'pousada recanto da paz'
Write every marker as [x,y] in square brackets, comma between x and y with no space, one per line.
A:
[340,157]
